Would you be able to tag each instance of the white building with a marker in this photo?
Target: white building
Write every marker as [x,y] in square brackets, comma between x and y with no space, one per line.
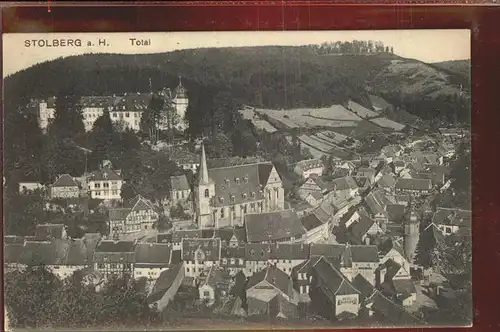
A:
[105,184]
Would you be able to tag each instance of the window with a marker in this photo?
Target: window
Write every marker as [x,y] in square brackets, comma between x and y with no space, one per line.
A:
[100,266]
[245,208]
[246,179]
[136,115]
[253,194]
[114,183]
[206,294]
[127,115]
[105,185]
[222,213]
[115,192]
[182,194]
[238,180]
[244,196]
[187,269]
[97,185]
[98,193]
[177,194]
[233,261]
[224,261]
[252,206]
[207,193]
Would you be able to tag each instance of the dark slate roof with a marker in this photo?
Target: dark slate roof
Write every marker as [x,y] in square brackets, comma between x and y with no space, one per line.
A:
[105,174]
[390,310]
[396,212]
[272,275]
[310,221]
[263,252]
[345,183]
[347,253]
[13,239]
[316,195]
[164,282]
[360,228]
[116,246]
[239,184]
[387,181]
[13,253]
[164,238]
[177,236]
[392,269]
[273,226]
[334,280]
[210,248]
[153,253]
[133,102]
[455,217]
[49,231]
[179,182]
[65,180]
[119,213]
[414,184]
[233,252]
[97,101]
[404,286]
[363,286]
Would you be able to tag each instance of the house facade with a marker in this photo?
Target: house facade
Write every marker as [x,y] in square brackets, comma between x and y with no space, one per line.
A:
[140,216]
[105,184]
[65,187]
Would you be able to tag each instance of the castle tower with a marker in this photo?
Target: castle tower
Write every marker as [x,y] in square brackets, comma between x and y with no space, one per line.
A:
[181,104]
[411,236]
[205,191]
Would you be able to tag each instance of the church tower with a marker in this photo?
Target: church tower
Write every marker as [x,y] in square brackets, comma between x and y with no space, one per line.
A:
[181,104]
[205,191]
[411,236]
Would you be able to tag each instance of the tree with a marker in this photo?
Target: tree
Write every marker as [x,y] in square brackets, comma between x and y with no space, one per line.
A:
[101,137]
[23,212]
[68,118]
[425,246]
[28,297]
[127,192]
[219,147]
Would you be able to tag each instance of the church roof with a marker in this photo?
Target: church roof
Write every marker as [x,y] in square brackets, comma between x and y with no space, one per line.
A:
[239,184]
[180,90]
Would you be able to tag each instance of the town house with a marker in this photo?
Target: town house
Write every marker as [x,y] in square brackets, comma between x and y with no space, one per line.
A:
[151,259]
[141,215]
[272,227]
[65,187]
[115,258]
[105,184]
[199,254]
[306,168]
[281,255]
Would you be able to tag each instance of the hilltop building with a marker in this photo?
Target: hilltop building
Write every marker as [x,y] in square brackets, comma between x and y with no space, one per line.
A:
[126,110]
[223,196]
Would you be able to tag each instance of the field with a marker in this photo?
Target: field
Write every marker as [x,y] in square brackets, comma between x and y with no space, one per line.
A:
[334,116]
[249,114]
[386,123]
[326,143]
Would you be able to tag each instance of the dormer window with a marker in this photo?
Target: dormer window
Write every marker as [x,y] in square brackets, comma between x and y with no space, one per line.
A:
[253,194]
[232,198]
[237,180]
[221,199]
[246,179]
[226,181]
[244,196]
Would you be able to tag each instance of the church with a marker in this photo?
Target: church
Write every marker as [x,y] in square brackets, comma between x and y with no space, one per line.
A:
[223,196]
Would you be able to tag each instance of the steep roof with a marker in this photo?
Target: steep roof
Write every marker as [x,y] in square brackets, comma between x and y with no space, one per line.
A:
[239,184]
[334,280]
[310,221]
[363,286]
[164,282]
[396,212]
[116,246]
[454,217]
[105,174]
[209,249]
[264,252]
[347,253]
[49,231]
[179,182]
[272,275]
[345,183]
[119,213]
[133,102]
[414,184]
[387,181]
[139,203]
[153,253]
[360,228]
[65,180]
[273,226]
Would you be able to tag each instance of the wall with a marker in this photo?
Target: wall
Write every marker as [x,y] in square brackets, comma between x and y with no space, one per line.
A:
[346,303]
[64,192]
[112,191]
[207,293]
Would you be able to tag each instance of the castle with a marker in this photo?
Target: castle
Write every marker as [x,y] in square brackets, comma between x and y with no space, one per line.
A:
[223,196]
[126,109]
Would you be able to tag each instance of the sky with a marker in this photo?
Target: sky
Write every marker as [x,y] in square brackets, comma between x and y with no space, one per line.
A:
[424,45]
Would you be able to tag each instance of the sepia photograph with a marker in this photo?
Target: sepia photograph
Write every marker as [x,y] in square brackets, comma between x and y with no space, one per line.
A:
[218,180]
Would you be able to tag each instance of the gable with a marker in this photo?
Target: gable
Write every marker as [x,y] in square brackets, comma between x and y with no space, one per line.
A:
[274,177]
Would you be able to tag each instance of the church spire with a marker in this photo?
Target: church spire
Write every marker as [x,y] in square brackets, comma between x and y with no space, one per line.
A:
[203,179]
